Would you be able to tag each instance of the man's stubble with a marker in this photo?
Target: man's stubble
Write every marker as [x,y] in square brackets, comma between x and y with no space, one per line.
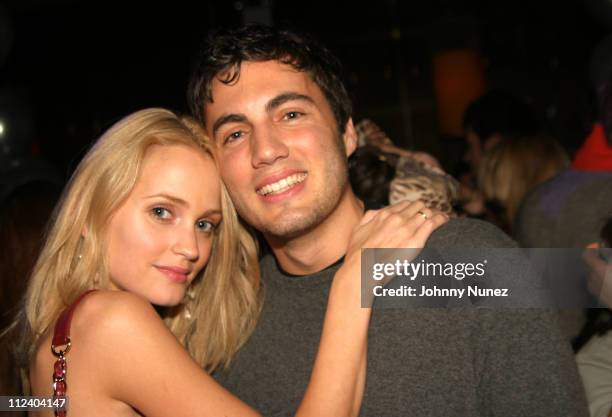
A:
[296,222]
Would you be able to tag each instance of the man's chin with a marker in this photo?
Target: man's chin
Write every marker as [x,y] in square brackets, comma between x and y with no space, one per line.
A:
[294,218]
[289,226]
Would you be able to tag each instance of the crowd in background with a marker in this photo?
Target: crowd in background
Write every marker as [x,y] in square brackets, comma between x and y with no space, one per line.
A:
[523,180]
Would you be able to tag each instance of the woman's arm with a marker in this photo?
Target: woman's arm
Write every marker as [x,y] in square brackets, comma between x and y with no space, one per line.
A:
[134,359]
[338,378]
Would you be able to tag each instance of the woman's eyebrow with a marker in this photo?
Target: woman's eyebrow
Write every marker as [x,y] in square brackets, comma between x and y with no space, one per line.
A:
[172,198]
[181,202]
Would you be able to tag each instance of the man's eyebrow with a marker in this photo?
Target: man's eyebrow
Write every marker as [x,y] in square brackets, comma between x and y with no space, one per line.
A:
[227,118]
[281,99]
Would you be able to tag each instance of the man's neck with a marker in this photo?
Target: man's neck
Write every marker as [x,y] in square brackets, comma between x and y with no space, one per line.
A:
[322,246]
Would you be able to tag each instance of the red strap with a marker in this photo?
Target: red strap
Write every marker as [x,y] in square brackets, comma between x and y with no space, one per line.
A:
[61,335]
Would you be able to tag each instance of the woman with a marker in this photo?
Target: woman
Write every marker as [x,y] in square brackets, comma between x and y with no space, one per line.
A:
[144,213]
[511,169]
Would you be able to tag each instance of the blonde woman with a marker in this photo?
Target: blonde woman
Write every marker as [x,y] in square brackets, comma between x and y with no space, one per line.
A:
[512,168]
[143,215]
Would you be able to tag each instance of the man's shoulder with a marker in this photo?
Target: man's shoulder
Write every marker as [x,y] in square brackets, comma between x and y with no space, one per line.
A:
[469,233]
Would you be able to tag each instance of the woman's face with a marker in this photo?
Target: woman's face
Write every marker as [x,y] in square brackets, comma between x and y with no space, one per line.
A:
[161,236]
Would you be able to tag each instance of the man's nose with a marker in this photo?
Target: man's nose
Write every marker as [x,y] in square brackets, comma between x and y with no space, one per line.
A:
[267,146]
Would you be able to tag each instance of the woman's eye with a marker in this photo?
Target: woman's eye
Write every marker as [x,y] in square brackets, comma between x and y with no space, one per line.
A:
[205,226]
[161,213]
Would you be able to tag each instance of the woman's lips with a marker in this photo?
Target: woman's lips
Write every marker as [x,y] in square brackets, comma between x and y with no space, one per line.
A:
[175,274]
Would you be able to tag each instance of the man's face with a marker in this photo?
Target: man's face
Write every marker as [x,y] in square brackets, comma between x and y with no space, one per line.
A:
[279,149]
[476,148]
[473,153]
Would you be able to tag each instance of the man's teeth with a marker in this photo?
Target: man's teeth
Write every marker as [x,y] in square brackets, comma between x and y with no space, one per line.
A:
[282,185]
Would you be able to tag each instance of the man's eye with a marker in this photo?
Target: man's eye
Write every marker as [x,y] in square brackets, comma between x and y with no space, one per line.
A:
[205,226]
[233,136]
[292,115]
[161,213]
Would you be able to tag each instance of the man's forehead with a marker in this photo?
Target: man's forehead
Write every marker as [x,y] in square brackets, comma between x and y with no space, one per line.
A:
[256,80]
[266,73]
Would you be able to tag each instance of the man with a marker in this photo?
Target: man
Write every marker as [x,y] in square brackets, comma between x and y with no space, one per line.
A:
[491,118]
[494,117]
[280,117]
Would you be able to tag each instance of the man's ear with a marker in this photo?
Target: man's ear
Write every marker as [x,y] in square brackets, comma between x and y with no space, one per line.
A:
[350,137]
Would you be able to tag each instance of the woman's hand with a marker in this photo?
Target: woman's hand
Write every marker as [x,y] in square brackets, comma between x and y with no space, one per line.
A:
[405,225]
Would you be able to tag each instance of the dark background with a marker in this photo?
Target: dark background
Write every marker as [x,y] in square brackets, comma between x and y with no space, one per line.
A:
[69,69]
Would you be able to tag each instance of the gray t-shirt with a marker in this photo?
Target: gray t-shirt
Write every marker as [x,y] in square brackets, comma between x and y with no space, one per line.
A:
[421,361]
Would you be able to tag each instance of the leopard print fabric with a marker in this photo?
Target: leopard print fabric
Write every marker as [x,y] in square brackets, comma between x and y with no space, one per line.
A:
[415,180]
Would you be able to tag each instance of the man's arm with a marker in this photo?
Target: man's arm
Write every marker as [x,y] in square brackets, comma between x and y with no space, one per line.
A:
[524,365]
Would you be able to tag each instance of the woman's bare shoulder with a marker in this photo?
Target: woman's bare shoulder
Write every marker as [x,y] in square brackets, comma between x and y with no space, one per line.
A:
[113,306]
[101,318]
[116,331]
[109,315]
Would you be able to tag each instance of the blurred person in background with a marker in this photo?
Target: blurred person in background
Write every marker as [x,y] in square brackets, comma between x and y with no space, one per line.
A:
[382,173]
[513,167]
[594,344]
[570,209]
[492,118]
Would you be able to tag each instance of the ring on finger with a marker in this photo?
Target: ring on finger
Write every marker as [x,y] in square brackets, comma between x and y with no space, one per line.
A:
[423,214]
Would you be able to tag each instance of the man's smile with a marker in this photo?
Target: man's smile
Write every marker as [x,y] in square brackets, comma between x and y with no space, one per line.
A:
[282,185]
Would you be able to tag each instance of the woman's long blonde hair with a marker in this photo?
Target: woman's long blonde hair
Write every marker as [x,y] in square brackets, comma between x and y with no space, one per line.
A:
[226,295]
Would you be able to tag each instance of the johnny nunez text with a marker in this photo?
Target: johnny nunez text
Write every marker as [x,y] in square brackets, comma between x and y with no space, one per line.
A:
[425,291]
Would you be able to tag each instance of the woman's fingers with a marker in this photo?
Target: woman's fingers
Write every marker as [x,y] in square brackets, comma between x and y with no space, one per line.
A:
[406,225]
[407,207]
[397,226]
[426,229]
[418,227]
[368,216]
[403,225]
